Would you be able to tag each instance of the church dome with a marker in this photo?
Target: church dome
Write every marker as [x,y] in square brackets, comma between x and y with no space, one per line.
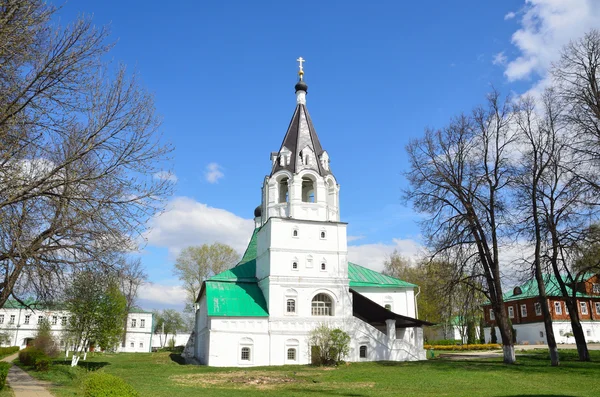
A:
[258,212]
[301,86]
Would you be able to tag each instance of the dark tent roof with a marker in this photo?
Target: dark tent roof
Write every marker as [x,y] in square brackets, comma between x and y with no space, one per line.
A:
[374,314]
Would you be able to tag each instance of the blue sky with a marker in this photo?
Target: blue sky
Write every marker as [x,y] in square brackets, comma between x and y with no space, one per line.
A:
[378,72]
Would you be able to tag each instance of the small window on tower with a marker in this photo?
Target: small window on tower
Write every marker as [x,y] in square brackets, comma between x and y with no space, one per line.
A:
[295,233]
[294,265]
[323,266]
[323,234]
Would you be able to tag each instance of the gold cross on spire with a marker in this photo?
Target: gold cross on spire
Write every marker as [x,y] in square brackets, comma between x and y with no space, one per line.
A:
[301,71]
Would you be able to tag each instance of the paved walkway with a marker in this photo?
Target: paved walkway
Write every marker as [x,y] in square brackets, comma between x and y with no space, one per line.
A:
[23,384]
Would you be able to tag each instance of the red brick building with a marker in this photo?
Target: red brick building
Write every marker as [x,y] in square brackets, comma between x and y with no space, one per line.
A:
[523,308]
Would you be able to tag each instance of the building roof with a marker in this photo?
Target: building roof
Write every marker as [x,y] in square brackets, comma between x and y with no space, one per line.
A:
[235,299]
[362,277]
[529,289]
[300,134]
[235,291]
[374,314]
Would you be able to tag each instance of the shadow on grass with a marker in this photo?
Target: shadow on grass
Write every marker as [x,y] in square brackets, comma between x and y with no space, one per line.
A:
[88,365]
[540,395]
[177,358]
[322,392]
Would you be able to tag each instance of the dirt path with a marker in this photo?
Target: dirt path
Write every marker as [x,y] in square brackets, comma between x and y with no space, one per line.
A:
[23,384]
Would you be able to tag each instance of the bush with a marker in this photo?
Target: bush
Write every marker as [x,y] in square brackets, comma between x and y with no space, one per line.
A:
[7,351]
[42,363]
[44,340]
[31,355]
[4,367]
[100,384]
[328,346]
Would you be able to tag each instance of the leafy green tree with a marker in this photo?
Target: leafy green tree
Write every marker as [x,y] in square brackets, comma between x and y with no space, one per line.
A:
[328,345]
[97,310]
[340,344]
[168,322]
[196,264]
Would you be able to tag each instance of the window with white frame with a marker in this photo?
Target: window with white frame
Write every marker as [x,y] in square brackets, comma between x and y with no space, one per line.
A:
[290,306]
[142,323]
[323,266]
[583,306]
[1,318]
[12,319]
[597,310]
[557,308]
[511,312]
[63,320]
[40,319]
[54,320]
[27,318]
[492,315]
[295,233]
[523,310]
[566,308]
[132,344]
[323,234]
[295,264]
[322,305]
[141,345]
[538,308]
[291,354]
[133,322]
[245,354]
[596,288]
[362,351]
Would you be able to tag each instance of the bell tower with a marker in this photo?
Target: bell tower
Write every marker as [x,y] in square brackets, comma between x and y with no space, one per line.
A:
[301,184]
[301,244]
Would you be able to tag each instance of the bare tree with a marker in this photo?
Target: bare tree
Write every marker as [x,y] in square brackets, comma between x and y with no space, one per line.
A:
[458,177]
[131,276]
[540,143]
[196,264]
[78,152]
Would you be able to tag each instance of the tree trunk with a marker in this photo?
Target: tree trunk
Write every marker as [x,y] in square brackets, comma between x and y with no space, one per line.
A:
[508,347]
[578,334]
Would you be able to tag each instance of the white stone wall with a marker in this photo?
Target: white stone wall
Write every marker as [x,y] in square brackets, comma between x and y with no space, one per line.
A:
[535,333]
[402,300]
[269,341]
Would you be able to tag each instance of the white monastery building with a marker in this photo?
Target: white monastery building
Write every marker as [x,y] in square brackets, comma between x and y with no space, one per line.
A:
[19,323]
[295,274]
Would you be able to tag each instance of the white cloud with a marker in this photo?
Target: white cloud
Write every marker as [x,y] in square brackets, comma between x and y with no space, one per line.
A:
[166,176]
[374,255]
[546,26]
[213,173]
[354,238]
[187,222]
[499,59]
[159,296]
[509,15]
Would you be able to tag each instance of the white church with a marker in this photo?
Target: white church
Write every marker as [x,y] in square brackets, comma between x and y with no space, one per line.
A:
[295,274]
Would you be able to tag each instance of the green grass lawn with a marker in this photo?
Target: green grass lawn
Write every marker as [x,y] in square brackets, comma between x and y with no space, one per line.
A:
[157,374]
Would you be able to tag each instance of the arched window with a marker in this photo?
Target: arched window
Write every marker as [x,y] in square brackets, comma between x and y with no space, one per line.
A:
[388,307]
[295,233]
[291,306]
[322,305]
[283,190]
[245,355]
[291,354]
[308,190]
[362,351]
[323,266]
[295,265]
[323,234]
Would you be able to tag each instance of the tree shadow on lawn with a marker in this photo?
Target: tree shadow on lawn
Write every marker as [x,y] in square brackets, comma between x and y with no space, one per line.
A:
[541,395]
[537,364]
[177,358]
[325,392]
[88,365]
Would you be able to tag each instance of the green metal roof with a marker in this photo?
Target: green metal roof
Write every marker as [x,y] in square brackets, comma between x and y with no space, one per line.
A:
[362,277]
[235,299]
[244,272]
[250,253]
[529,289]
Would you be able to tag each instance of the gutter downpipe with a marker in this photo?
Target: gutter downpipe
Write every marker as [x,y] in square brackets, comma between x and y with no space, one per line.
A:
[416,305]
